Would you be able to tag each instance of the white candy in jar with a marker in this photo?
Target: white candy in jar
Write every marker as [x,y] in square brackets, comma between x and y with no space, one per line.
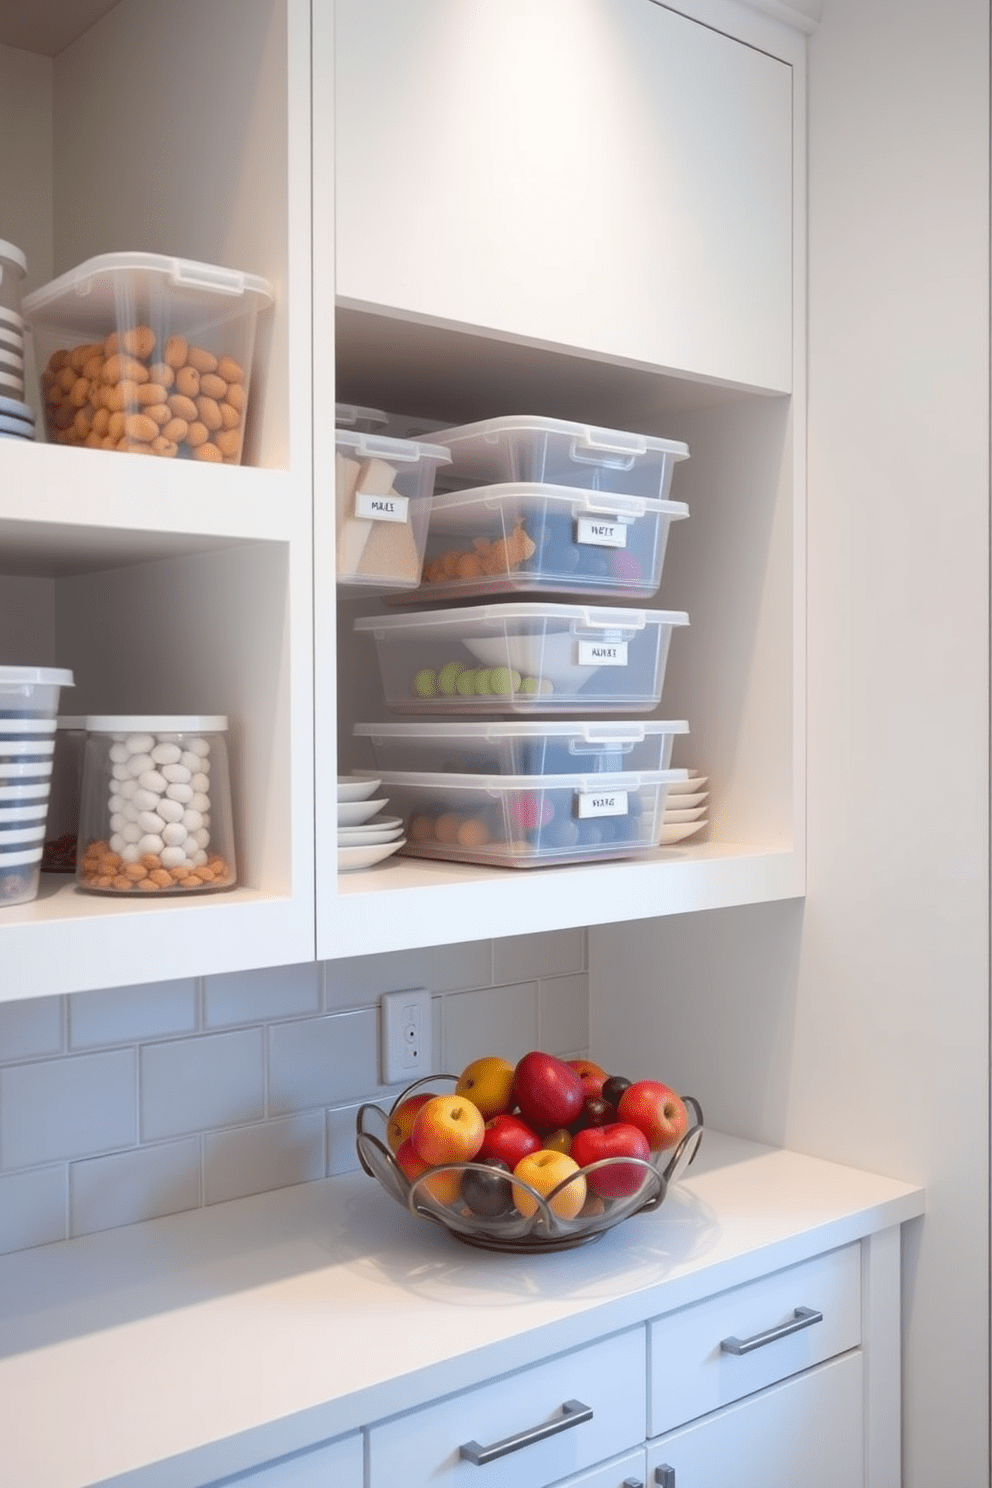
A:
[159,799]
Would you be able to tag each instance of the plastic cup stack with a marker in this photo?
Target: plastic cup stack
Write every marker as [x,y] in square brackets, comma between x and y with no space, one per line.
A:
[29,698]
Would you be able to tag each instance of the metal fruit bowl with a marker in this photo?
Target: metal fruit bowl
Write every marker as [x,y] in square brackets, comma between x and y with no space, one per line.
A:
[543,1230]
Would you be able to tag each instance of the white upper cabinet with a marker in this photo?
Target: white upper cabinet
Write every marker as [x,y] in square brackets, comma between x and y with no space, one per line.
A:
[613,177]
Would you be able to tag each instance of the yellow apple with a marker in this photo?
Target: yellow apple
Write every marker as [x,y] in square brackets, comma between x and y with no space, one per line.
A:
[544,1170]
[445,1187]
[488,1083]
[447,1129]
[401,1121]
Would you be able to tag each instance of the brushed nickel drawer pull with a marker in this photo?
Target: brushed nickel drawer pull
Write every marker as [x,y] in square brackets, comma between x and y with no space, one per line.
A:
[802,1317]
[664,1476]
[573,1414]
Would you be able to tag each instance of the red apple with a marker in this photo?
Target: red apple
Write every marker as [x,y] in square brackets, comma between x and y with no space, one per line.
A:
[401,1121]
[447,1129]
[656,1110]
[508,1138]
[548,1091]
[592,1075]
[619,1139]
[444,1187]
[544,1170]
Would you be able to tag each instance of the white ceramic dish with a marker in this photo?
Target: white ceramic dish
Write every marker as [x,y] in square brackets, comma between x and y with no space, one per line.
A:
[358,837]
[350,858]
[350,789]
[378,824]
[678,831]
[686,787]
[683,801]
[355,813]
[693,814]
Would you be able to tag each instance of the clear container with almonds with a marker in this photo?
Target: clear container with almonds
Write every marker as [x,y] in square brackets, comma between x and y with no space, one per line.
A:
[155,816]
[148,354]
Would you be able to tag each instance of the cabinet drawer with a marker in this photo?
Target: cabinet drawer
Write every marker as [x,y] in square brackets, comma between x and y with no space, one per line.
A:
[608,1377]
[628,1471]
[808,1430]
[692,1371]
[336,1464]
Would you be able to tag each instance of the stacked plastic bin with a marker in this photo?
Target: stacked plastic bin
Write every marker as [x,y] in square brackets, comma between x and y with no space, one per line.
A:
[557,527]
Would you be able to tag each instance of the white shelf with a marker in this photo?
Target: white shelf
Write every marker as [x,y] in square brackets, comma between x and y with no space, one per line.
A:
[68,941]
[416,901]
[124,509]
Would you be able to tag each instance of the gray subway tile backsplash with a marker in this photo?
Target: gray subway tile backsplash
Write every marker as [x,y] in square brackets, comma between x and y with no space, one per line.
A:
[132,1102]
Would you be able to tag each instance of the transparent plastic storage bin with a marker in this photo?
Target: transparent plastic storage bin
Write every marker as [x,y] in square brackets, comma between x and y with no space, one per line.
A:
[529,538]
[557,453]
[521,747]
[364,420]
[529,821]
[526,657]
[149,354]
[383,490]
[155,816]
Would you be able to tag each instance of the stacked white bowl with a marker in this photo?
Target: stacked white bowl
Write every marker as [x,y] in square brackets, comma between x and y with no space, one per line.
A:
[685,809]
[364,836]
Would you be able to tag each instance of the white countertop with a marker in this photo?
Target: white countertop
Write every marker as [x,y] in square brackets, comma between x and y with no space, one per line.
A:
[248,1329]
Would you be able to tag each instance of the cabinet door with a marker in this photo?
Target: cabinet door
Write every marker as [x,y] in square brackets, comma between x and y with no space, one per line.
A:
[604,174]
[628,1471]
[808,1430]
[336,1464]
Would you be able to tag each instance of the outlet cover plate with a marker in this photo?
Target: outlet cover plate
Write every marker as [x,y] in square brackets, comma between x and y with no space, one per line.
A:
[406,1040]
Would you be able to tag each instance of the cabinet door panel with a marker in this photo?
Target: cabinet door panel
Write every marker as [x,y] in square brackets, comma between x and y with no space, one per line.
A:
[595,173]
[620,1472]
[691,1374]
[808,1430]
[609,1376]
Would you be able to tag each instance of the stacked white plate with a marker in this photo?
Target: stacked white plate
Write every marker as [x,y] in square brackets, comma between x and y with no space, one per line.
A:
[17,419]
[685,809]
[365,836]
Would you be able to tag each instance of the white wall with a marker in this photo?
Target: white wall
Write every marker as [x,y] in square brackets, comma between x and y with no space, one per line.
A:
[856,1027]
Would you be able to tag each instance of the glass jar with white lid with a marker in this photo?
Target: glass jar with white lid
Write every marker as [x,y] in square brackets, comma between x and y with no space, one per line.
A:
[155,815]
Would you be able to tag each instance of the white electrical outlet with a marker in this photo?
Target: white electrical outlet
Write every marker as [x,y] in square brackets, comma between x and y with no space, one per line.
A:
[406,1036]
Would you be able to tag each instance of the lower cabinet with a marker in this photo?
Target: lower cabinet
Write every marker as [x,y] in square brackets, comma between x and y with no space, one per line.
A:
[807,1430]
[760,1386]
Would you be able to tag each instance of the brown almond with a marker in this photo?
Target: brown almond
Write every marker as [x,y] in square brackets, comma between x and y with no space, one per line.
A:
[168,448]
[209,411]
[236,396]
[208,452]
[139,426]
[139,341]
[176,429]
[182,407]
[197,434]
[228,441]
[175,353]
[151,392]
[201,359]
[188,382]
[213,386]
[162,373]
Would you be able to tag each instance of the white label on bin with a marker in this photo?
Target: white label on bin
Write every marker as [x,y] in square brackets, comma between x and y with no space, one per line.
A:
[391,508]
[603,803]
[603,653]
[600,532]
